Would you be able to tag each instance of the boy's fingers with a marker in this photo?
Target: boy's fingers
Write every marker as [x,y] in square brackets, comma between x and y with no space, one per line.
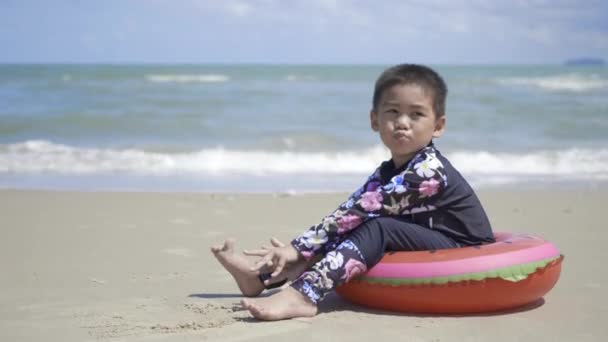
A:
[274,278]
[274,274]
[278,269]
[275,242]
[261,264]
[258,265]
[256,252]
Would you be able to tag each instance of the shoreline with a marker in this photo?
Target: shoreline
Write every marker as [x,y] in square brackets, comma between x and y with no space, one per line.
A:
[91,266]
[283,187]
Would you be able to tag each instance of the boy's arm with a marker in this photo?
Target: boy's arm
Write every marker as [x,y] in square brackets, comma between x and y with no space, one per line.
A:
[409,192]
[326,235]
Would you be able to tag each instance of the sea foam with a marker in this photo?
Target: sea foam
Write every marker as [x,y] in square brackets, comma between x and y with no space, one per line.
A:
[187,78]
[39,156]
[565,82]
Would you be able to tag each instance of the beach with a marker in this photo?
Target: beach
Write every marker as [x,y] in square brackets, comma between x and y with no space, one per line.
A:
[136,266]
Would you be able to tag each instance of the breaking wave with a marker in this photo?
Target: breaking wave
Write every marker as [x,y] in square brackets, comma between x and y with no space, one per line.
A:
[565,82]
[40,156]
[187,78]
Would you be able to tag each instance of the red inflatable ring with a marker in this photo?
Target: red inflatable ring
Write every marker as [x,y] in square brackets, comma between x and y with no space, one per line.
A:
[516,270]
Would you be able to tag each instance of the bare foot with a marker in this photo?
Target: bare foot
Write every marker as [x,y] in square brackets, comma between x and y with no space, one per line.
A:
[288,303]
[239,267]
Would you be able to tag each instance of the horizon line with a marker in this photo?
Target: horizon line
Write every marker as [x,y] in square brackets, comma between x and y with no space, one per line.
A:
[276,63]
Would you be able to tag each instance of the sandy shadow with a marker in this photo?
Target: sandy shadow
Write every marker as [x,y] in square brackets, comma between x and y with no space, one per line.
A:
[334,302]
[215,295]
[229,295]
[248,319]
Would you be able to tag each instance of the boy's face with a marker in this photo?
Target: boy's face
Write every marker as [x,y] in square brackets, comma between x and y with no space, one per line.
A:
[406,121]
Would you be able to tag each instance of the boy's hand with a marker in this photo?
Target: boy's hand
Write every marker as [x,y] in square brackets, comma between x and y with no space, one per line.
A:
[275,258]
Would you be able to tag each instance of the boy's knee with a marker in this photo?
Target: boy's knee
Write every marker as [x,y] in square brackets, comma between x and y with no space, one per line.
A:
[370,239]
[376,228]
[368,231]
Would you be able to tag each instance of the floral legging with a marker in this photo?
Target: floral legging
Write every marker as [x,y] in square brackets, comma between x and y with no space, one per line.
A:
[363,248]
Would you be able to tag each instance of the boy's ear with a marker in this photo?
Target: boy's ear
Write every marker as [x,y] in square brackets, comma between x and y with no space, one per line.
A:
[373,120]
[439,127]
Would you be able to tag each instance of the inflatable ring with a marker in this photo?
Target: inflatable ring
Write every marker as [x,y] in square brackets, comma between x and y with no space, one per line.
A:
[516,270]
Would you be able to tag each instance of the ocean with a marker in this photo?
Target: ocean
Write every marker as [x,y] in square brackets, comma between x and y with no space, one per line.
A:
[287,128]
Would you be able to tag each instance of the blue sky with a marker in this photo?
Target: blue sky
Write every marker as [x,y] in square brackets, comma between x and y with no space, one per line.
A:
[306,31]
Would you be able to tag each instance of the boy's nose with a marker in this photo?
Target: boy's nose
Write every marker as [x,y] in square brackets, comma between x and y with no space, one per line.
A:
[403,122]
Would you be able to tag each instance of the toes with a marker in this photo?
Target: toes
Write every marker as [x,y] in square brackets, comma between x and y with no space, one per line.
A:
[250,306]
[253,309]
[258,312]
[245,304]
[228,245]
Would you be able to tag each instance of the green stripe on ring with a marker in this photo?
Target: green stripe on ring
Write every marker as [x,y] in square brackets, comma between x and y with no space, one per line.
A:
[513,273]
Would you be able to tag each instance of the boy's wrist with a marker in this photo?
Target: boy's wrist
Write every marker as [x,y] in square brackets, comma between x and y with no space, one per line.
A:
[294,254]
[303,253]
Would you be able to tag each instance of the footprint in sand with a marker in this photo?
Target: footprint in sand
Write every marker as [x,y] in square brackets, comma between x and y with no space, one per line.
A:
[98,281]
[213,315]
[157,316]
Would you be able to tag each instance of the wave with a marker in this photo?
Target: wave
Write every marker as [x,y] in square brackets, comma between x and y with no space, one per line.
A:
[39,156]
[578,163]
[292,77]
[187,78]
[566,82]
[35,156]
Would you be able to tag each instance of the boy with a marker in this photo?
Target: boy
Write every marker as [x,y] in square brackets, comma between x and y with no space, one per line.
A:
[415,201]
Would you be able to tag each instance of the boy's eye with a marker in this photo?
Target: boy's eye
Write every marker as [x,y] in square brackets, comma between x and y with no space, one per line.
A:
[417,114]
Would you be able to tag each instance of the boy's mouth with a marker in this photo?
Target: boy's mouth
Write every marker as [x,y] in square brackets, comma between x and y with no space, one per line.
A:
[401,135]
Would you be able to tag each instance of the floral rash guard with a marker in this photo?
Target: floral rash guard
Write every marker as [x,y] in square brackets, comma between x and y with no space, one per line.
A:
[427,189]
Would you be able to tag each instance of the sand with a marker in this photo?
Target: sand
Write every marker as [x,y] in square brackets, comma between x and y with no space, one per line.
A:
[136,266]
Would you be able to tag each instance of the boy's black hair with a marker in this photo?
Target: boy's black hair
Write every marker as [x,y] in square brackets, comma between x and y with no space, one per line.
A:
[420,75]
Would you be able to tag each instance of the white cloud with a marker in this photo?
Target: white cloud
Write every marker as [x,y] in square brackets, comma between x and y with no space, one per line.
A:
[333,30]
[331,5]
[238,8]
[521,29]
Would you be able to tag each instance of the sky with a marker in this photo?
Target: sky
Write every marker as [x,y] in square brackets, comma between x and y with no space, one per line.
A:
[302,32]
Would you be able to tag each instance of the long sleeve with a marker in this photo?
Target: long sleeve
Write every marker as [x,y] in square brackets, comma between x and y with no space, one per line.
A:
[411,191]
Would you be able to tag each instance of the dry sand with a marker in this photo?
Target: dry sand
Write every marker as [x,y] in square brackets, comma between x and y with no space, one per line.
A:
[137,266]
